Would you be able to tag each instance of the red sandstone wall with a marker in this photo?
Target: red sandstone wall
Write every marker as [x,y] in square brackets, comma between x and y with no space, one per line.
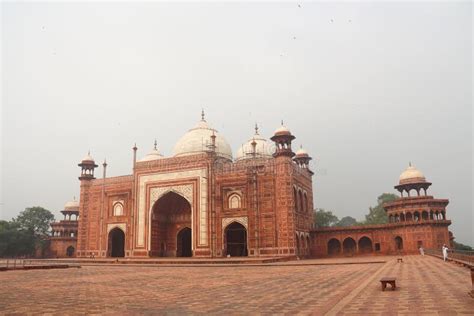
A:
[58,247]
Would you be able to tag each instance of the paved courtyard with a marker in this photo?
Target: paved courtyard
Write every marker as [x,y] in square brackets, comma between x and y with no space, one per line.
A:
[426,286]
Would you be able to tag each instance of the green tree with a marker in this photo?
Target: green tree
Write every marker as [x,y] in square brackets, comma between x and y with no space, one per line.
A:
[26,233]
[459,246]
[347,221]
[15,241]
[35,219]
[323,218]
[377,214]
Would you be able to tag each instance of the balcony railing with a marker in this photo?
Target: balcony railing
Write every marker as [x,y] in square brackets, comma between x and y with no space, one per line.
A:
[462,256]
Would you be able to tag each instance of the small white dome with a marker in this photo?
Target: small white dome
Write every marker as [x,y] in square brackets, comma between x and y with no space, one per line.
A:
[152,155]
[411,175]
[263,148]
[72,205]
[198,139]
[282,130]
[88,157]
[301,152]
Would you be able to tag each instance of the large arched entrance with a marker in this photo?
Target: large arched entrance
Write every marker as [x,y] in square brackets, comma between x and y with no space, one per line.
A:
[116,243]
[334,247]
[235,236]
[184,243]
[171,235]
[365,245]
[349,246]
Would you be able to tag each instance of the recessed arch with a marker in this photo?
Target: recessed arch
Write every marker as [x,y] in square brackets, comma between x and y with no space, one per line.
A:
[349,246]
[235,240]
[234,201]
[183,243]
[365,245]
[171,213]
[70,251]
[116,243]
[334,247]
[398,243]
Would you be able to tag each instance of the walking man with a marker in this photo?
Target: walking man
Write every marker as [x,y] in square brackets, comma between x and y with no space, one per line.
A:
[445,252]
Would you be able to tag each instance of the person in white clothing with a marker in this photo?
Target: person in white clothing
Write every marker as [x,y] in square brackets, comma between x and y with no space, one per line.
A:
[422,251]
[445,252]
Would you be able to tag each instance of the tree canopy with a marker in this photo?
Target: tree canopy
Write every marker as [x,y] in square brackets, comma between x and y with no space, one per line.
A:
[26,233]
[377,214]
[323,218]
[347,221]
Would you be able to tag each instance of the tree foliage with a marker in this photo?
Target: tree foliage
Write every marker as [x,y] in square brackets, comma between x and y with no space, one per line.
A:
[347,221]
[459,246]
[377,214]
[323,218]
[26,233]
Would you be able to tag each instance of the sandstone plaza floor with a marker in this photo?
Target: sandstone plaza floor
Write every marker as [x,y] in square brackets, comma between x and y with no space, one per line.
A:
[427,286]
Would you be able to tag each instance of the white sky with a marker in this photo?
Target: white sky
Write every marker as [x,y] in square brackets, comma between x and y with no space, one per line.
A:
[365,87]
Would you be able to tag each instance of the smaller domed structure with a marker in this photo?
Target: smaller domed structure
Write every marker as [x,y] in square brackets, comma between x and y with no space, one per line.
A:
[152,155]
[88,157]
[263,149]
[411,175]
[72,205]
[412,179]
[283,138]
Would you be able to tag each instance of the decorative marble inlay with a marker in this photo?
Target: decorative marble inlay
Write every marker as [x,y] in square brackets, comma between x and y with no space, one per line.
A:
[122,226]
[241,220]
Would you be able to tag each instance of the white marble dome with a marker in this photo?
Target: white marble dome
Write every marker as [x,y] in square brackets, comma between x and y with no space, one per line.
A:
[411,175]
[198,139]
[301,152]
[88,157]
[72,205]
[152,155]
[264,148]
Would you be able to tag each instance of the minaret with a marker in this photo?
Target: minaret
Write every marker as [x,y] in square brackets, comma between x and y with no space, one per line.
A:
[285,201]
[87,174]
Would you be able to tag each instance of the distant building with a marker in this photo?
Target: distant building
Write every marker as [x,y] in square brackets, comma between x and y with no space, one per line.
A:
[414,222]
[63,240]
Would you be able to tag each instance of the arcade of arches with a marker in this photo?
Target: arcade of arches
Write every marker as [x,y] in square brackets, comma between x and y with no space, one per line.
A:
[171,235]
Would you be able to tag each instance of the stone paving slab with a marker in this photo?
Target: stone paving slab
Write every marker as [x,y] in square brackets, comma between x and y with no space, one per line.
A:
[427,285]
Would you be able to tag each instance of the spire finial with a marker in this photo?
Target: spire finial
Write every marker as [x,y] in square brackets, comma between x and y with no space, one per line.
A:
[282,123]
[409,163]
[202,115]
[256,128]
[89,152]
[155,144]
[105,163]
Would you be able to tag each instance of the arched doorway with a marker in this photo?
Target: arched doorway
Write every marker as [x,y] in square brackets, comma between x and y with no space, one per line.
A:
[334,247]
[236,240]
[70,251]
[116,243]
[170,213]
[398,243]
[349,246]
[365,245]
[184,243]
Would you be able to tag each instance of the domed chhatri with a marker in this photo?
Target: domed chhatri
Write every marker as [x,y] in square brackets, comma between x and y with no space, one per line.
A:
[88,157]
[263,148]
[301,152]
[283,138]
[153,155]
[411,175]
[412,179]
[72,205]
[198,140]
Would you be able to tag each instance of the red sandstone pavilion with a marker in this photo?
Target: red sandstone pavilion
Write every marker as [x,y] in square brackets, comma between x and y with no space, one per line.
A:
[201,202]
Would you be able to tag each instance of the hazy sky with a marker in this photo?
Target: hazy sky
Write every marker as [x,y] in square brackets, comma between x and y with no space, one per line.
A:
[365,87]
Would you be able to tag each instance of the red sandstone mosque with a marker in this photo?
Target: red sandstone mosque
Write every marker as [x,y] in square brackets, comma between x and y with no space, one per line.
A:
[203,202]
